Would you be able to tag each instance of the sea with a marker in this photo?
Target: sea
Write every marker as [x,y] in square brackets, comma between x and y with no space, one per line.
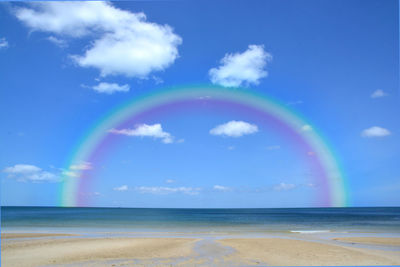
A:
[296,220]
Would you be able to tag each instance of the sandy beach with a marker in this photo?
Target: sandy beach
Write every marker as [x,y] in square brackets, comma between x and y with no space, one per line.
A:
[54,249]
[46,251]
[289,252]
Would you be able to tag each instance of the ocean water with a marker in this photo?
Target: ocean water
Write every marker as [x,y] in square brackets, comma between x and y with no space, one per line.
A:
[200,220]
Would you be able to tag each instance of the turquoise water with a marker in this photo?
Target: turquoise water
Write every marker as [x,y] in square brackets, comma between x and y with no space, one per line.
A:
[197,220]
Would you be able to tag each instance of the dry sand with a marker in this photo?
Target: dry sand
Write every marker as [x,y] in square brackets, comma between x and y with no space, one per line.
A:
[40,252]
[387,241]
[48,250]
[279,252]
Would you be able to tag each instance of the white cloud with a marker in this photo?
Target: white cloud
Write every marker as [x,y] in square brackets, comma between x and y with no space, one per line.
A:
[284,187]
[145,130]
[110,88]
[157,80]
[82,166]
[121,188]
[57,41]
[71,174]
[31,173]
[22,168]
[3,43]
[234,129]
[126,43]
[170,181]
[162,190]
[375,131]
[378,93]
[241,68]
[306,128]
[221,188]
[75,169]
[276,147]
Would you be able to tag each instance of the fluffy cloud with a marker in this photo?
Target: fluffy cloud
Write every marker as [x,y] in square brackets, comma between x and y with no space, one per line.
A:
[145,130]
[306,128]
[234,129]
[82,166]
[221,188]
[121,188]
[375,131]
[3,43]
[70,174]
[162,190]
[378,93]
[241,68]
[110,88]
[76,169]
[284,187]
[170,181]
[126,43]
[31,173]
[58,42]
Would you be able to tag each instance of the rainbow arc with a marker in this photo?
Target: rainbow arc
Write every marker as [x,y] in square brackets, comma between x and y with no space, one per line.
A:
[96,142]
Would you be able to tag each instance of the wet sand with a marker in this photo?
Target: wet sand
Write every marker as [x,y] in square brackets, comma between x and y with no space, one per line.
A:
[53,249]
[387,241]
[30,235]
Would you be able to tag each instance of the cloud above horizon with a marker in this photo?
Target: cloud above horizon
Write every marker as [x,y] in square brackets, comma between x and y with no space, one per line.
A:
[145,130]
[57,41]
[110,88]
[284,187]
[234,129]
[379,93]
[121,188]
[30,173]
[82,166]
[375,131]
[306,128]
[3,43]
[125,43]
[241,69]
[163,190]
[75,169]
[221,188]
[275,147]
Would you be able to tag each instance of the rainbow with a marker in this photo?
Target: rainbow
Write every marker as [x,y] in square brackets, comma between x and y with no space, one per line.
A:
[96,142]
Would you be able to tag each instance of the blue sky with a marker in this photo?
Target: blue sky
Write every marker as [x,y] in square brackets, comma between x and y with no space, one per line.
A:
[335,62]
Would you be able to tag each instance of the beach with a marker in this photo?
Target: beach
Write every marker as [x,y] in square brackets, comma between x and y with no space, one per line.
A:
[23,250]
[33,236]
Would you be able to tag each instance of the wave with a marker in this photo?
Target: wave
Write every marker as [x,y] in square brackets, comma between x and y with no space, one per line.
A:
[309,231]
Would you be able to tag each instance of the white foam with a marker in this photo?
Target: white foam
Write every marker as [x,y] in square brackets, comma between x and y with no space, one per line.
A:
[309,231]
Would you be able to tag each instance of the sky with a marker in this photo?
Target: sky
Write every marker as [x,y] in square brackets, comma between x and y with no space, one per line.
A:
[65,65]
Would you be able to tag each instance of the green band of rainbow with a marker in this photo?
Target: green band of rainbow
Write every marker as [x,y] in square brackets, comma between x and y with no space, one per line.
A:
[98,134]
